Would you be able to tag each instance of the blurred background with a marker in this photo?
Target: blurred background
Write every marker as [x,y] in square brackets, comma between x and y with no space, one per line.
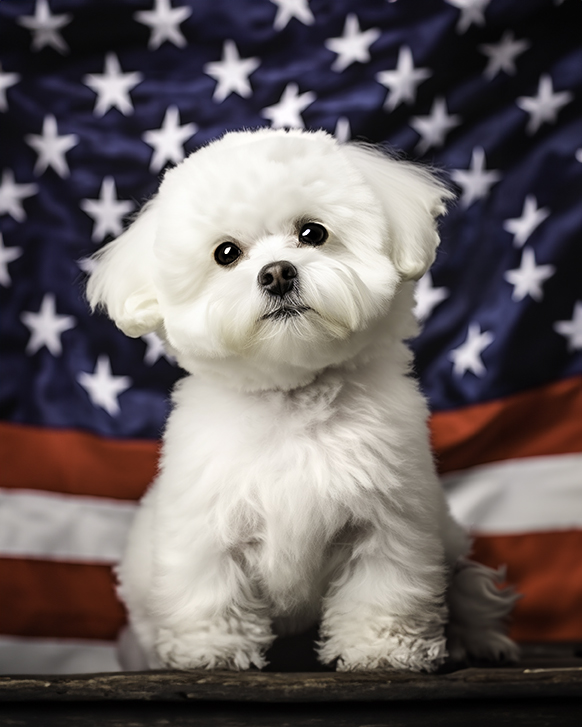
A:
[98,97]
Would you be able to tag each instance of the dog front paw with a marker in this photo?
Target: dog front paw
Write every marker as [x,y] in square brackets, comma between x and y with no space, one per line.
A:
[386,647]
[220,643]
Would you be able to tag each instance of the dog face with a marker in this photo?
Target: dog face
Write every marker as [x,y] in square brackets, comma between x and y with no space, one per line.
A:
[272,248]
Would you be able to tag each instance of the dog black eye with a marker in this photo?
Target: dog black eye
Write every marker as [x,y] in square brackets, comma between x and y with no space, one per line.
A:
[227,253]
[312,233]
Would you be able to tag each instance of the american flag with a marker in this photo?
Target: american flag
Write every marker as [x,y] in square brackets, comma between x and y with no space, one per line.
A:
[98,97]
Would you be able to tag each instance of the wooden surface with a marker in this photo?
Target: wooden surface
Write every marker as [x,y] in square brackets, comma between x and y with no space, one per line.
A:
[541,673]
[544,690]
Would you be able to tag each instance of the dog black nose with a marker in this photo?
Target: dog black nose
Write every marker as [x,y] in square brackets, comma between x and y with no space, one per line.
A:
[277,278]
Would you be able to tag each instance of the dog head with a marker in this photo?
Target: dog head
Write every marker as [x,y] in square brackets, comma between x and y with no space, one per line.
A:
[271,252]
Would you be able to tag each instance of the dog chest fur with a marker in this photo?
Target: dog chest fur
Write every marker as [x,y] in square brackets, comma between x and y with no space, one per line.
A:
[264,487]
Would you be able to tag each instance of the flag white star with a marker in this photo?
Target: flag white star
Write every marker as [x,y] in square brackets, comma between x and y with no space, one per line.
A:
[51,148]
[434,127]
[103,387]
[472,11]
[427,297]
[531,217]
[403,81]
[544,107]
[168,142]
[107,211]
[155,349]
[502,55]
[6,81]
[287,112]
[7,255]
[527,279]
[476,181]
[45,27]
[342,131]
[353,46]
[572,329]
[467,357]
[46,327]
[232,73]
[112,87]
[164,21]
[288,9]
[12,194]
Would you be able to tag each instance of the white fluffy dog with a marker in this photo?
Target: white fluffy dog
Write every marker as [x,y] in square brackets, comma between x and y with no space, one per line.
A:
[296,484]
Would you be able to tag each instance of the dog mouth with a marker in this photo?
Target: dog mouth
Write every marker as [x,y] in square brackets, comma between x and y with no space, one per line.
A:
[283,312]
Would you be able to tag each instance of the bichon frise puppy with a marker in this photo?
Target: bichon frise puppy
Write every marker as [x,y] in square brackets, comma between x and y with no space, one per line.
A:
[296,483]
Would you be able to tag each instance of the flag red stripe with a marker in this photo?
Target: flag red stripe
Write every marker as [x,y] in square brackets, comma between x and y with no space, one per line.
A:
[542,421]
[546,568]
[42,598]
[75,463]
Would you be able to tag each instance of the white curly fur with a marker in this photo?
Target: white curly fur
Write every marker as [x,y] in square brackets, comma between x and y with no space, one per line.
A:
[296,483]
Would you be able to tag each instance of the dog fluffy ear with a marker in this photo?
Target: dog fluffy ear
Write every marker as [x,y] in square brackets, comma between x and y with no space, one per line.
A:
[411,198]
[122,279]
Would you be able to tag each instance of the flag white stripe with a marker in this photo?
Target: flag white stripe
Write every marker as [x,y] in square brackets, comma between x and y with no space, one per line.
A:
[56,656]
[532,494]
[63,527]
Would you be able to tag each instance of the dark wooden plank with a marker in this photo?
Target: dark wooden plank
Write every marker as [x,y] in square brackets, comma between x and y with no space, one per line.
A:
[544,689]
[546,673]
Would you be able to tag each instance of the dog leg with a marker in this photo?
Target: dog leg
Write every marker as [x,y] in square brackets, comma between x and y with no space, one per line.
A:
[197,608]
[387,609]
[208,615]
